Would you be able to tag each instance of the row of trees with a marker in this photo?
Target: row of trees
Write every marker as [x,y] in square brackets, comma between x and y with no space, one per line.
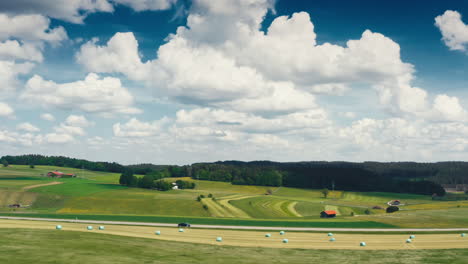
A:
[152,181]
[61,161]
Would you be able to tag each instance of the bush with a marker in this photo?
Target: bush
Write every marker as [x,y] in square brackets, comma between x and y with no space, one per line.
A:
[352,214]
[31,166]
[199,198]
[162,185]
[210,195]
[367,212]
[392,209]
[205,207]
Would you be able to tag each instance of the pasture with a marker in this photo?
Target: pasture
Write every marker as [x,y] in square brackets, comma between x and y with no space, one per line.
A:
[97,193]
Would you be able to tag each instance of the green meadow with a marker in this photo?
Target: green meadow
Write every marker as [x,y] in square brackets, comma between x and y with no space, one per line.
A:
[98,194]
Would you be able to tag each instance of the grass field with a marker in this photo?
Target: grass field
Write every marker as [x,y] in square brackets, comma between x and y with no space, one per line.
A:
[50,246]
[97,193]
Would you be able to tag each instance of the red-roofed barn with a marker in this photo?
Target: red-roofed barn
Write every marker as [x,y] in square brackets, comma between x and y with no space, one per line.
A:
[328,214]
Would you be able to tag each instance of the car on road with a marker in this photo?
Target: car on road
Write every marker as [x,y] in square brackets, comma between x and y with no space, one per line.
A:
[183,225]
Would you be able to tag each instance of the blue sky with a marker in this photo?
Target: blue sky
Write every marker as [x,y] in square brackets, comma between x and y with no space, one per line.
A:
[172,81]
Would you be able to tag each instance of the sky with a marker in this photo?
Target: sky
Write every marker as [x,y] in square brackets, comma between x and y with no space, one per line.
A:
[184,81]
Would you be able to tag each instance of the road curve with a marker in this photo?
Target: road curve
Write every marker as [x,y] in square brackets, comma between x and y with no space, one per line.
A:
[241,227]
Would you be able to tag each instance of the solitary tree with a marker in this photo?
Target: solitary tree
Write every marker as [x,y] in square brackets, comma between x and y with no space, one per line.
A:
[5,163]
[325,192]
[126,178]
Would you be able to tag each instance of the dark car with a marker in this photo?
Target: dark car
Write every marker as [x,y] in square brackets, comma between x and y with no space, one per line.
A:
[183,225]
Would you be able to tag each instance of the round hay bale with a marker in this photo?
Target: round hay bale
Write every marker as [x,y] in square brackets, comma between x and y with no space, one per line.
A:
[58,227]
[362,244]
[281,232]
[330,234]
[408,240]
[268,235]
[101,227]
[158,233]
[285,240]
[332,239]
[412,237]
[463,235]
[219,239]
[89,227]
[181,230]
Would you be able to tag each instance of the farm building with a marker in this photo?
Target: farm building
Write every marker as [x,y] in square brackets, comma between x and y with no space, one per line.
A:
[58,174]
[328,214]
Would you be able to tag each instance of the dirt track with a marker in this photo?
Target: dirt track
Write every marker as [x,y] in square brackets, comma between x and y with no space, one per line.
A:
[40,185]
[258,239]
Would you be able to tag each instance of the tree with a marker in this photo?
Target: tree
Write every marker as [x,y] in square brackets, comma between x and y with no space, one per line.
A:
[146,182]
[31,166]
[127,178]
[5,163]
[392,209]
[162,185]
[325,192]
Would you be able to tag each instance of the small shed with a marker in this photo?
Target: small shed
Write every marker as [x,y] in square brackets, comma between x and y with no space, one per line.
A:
[328,214]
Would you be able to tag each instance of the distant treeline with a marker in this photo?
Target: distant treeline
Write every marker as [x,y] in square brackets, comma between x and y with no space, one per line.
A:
[61,161]
[408,177]
[317,175]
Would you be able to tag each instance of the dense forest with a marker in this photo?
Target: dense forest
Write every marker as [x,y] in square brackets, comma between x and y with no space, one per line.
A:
[407,177]
[317,175]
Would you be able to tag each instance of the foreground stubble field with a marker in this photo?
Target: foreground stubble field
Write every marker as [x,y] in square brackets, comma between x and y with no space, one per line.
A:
[256,239]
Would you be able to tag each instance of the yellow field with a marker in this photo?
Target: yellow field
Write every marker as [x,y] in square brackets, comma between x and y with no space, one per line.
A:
[257,239]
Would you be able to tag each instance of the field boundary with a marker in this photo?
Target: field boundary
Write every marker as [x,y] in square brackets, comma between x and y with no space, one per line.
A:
[240,227]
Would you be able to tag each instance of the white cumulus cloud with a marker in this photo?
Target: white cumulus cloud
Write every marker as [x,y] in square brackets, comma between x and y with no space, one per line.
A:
[28,127]
[454,31]
[105,96]
[5,110]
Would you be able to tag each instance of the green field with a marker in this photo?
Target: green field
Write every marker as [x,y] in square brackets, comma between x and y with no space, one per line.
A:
[48,246]
[98,194]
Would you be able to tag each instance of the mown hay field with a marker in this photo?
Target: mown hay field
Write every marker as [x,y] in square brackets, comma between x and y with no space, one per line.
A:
[299,240]
[43,246]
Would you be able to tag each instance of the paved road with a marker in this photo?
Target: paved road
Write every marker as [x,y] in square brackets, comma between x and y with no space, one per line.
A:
[242,227]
